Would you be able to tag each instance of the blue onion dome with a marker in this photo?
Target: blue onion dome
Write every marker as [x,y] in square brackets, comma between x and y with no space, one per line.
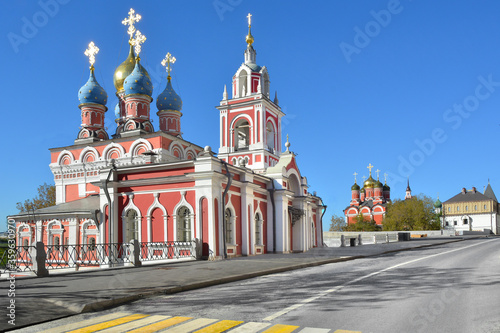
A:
[355,187]
[92,92]
[138,82]
[168,99]
[438,204]
[125,69]
[117,110]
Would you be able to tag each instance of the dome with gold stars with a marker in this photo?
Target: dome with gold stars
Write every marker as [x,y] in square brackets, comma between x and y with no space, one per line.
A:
[168,99]
[138,82]
[92,92]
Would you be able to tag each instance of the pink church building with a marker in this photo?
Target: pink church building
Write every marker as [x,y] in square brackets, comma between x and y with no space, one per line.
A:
[149,184]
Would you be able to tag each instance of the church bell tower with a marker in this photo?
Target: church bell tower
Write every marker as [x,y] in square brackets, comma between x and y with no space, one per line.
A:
[250,123]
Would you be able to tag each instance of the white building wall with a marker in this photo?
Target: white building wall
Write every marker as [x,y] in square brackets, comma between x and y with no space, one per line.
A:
[476,222]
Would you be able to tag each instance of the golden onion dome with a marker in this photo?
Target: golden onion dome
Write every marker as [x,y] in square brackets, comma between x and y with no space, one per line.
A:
[125,69]
[369,183]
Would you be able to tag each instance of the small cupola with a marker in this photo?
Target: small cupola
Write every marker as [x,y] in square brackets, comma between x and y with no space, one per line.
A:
[169,103]
[92,92]
[93,99]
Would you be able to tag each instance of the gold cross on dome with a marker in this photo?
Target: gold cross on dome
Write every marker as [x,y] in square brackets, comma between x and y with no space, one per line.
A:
[370,167]
[249,17]
[137,41]
[377,171]
[91,52]
[385,177]
[355,174]
[167,61]
[130,21]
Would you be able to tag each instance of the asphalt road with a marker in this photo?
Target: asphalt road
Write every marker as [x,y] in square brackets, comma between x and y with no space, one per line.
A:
[448,288]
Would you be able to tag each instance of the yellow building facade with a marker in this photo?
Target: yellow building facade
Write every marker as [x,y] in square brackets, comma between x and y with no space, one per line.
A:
[471,210]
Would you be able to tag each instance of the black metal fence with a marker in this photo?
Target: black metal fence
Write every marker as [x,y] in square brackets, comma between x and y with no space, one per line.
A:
[49,257]
[16,259]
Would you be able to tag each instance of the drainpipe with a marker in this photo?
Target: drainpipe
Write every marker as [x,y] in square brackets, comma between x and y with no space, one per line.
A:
[110,210]
[271,194]
[228,185]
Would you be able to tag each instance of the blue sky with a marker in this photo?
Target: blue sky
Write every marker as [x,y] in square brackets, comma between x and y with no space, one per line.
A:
[412,87]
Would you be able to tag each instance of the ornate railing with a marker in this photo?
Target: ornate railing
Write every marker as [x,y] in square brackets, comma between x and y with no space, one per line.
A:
[71,256]
[167,250]
[16,259]
[49,257]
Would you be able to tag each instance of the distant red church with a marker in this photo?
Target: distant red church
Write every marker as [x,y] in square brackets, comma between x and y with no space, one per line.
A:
[370,200]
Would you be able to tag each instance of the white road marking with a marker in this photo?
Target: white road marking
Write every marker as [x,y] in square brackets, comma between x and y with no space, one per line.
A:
[250,327]
[324,293]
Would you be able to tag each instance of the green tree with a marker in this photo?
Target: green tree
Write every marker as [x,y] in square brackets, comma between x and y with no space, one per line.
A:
[46,198]
[416,213]
[337,223]
[363,225]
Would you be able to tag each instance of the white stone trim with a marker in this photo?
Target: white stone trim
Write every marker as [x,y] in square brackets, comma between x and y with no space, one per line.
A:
[137,144]
[109,148]
[64,153]
[89,150]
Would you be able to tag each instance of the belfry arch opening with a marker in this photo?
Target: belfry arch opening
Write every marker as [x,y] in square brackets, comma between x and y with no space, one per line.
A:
[242,135]
[271,133]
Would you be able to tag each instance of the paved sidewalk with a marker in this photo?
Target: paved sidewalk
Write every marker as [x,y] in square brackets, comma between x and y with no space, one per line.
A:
[43,299]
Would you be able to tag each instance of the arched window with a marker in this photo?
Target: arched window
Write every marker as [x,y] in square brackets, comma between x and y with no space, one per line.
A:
[229,226]
[25,244]
[131,225]
[270,136]
[242,135]
[258,224]
[183,225]
[92,243]
[265,86]
[243,84]
[57,242]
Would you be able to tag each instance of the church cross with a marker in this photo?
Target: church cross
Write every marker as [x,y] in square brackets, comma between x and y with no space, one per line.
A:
[370,167]
[130,21]
[385,177]
[249,16]
[364,177]
[137,41]
[377,171]
[167,61]
[355,174]
[91,52]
